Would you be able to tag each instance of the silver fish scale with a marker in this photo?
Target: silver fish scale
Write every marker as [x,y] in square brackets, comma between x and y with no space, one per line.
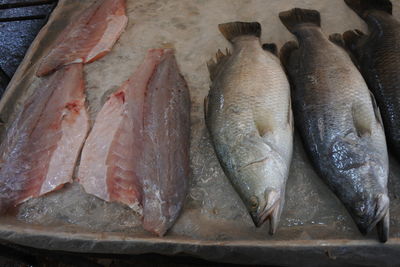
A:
[339,125]
[249,121]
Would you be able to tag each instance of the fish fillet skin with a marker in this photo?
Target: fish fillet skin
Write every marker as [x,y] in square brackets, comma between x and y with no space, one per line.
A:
[166,137]
[89,37]
[40,149]
[138,150]
[111,156]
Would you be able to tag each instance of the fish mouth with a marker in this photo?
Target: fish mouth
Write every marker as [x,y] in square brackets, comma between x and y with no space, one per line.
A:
[380,220]
[271,212]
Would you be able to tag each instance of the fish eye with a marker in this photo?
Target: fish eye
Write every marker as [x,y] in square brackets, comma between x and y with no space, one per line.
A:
[254,202]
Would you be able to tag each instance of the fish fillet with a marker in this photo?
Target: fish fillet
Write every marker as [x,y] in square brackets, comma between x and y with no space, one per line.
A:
[110,157]
[39,152]
[166,146]
[138,150]
[89,37]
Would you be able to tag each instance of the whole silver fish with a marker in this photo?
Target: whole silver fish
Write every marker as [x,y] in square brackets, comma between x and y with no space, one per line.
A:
[378,55]
[249,118]
[338,120]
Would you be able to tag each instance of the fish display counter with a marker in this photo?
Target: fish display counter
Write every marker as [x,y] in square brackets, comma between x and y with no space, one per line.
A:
[314,229]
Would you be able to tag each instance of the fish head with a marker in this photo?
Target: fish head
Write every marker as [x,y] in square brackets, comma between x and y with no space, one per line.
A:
[369,210]
[267,206]
[261,185]
[359,178]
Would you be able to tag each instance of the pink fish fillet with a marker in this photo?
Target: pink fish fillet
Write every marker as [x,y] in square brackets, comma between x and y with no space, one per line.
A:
[138,150]
[111,156]
[166,146]
[40,149]
[89,37]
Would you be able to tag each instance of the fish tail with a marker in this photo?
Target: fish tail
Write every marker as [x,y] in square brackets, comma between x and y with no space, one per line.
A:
[296,16]
[361,6]
[231,30]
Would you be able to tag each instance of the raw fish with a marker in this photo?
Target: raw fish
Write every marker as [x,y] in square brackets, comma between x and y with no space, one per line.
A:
[138,150]
[166,145]
[338,120]
[39,152]
[378,56]
[249,117]
[89,37]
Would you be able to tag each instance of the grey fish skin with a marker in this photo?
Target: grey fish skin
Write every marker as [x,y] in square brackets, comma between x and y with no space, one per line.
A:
[378,56]
[340,126]
[249,118]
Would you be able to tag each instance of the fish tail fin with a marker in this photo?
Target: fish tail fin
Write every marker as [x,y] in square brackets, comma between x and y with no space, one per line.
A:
[231,30]
[361,6]
[296,16]
[271,47]
[286,52]
[215,66]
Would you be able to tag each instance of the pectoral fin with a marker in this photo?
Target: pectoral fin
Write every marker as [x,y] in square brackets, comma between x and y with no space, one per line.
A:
[362,123]
[376,109]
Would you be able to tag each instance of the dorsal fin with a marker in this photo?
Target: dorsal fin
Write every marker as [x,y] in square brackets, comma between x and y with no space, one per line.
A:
[205,107]
[271,47]
[337,39]
[352,39]
[215,66]
[286,52]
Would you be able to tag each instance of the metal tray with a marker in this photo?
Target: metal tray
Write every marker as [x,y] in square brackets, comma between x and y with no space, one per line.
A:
[315,228]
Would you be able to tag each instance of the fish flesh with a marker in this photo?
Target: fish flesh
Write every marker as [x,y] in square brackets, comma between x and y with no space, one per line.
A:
[338,120]
[249,118]
[378,57]
[138,150]
[88,37]
[110,158]
[41,146]
[166,136]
